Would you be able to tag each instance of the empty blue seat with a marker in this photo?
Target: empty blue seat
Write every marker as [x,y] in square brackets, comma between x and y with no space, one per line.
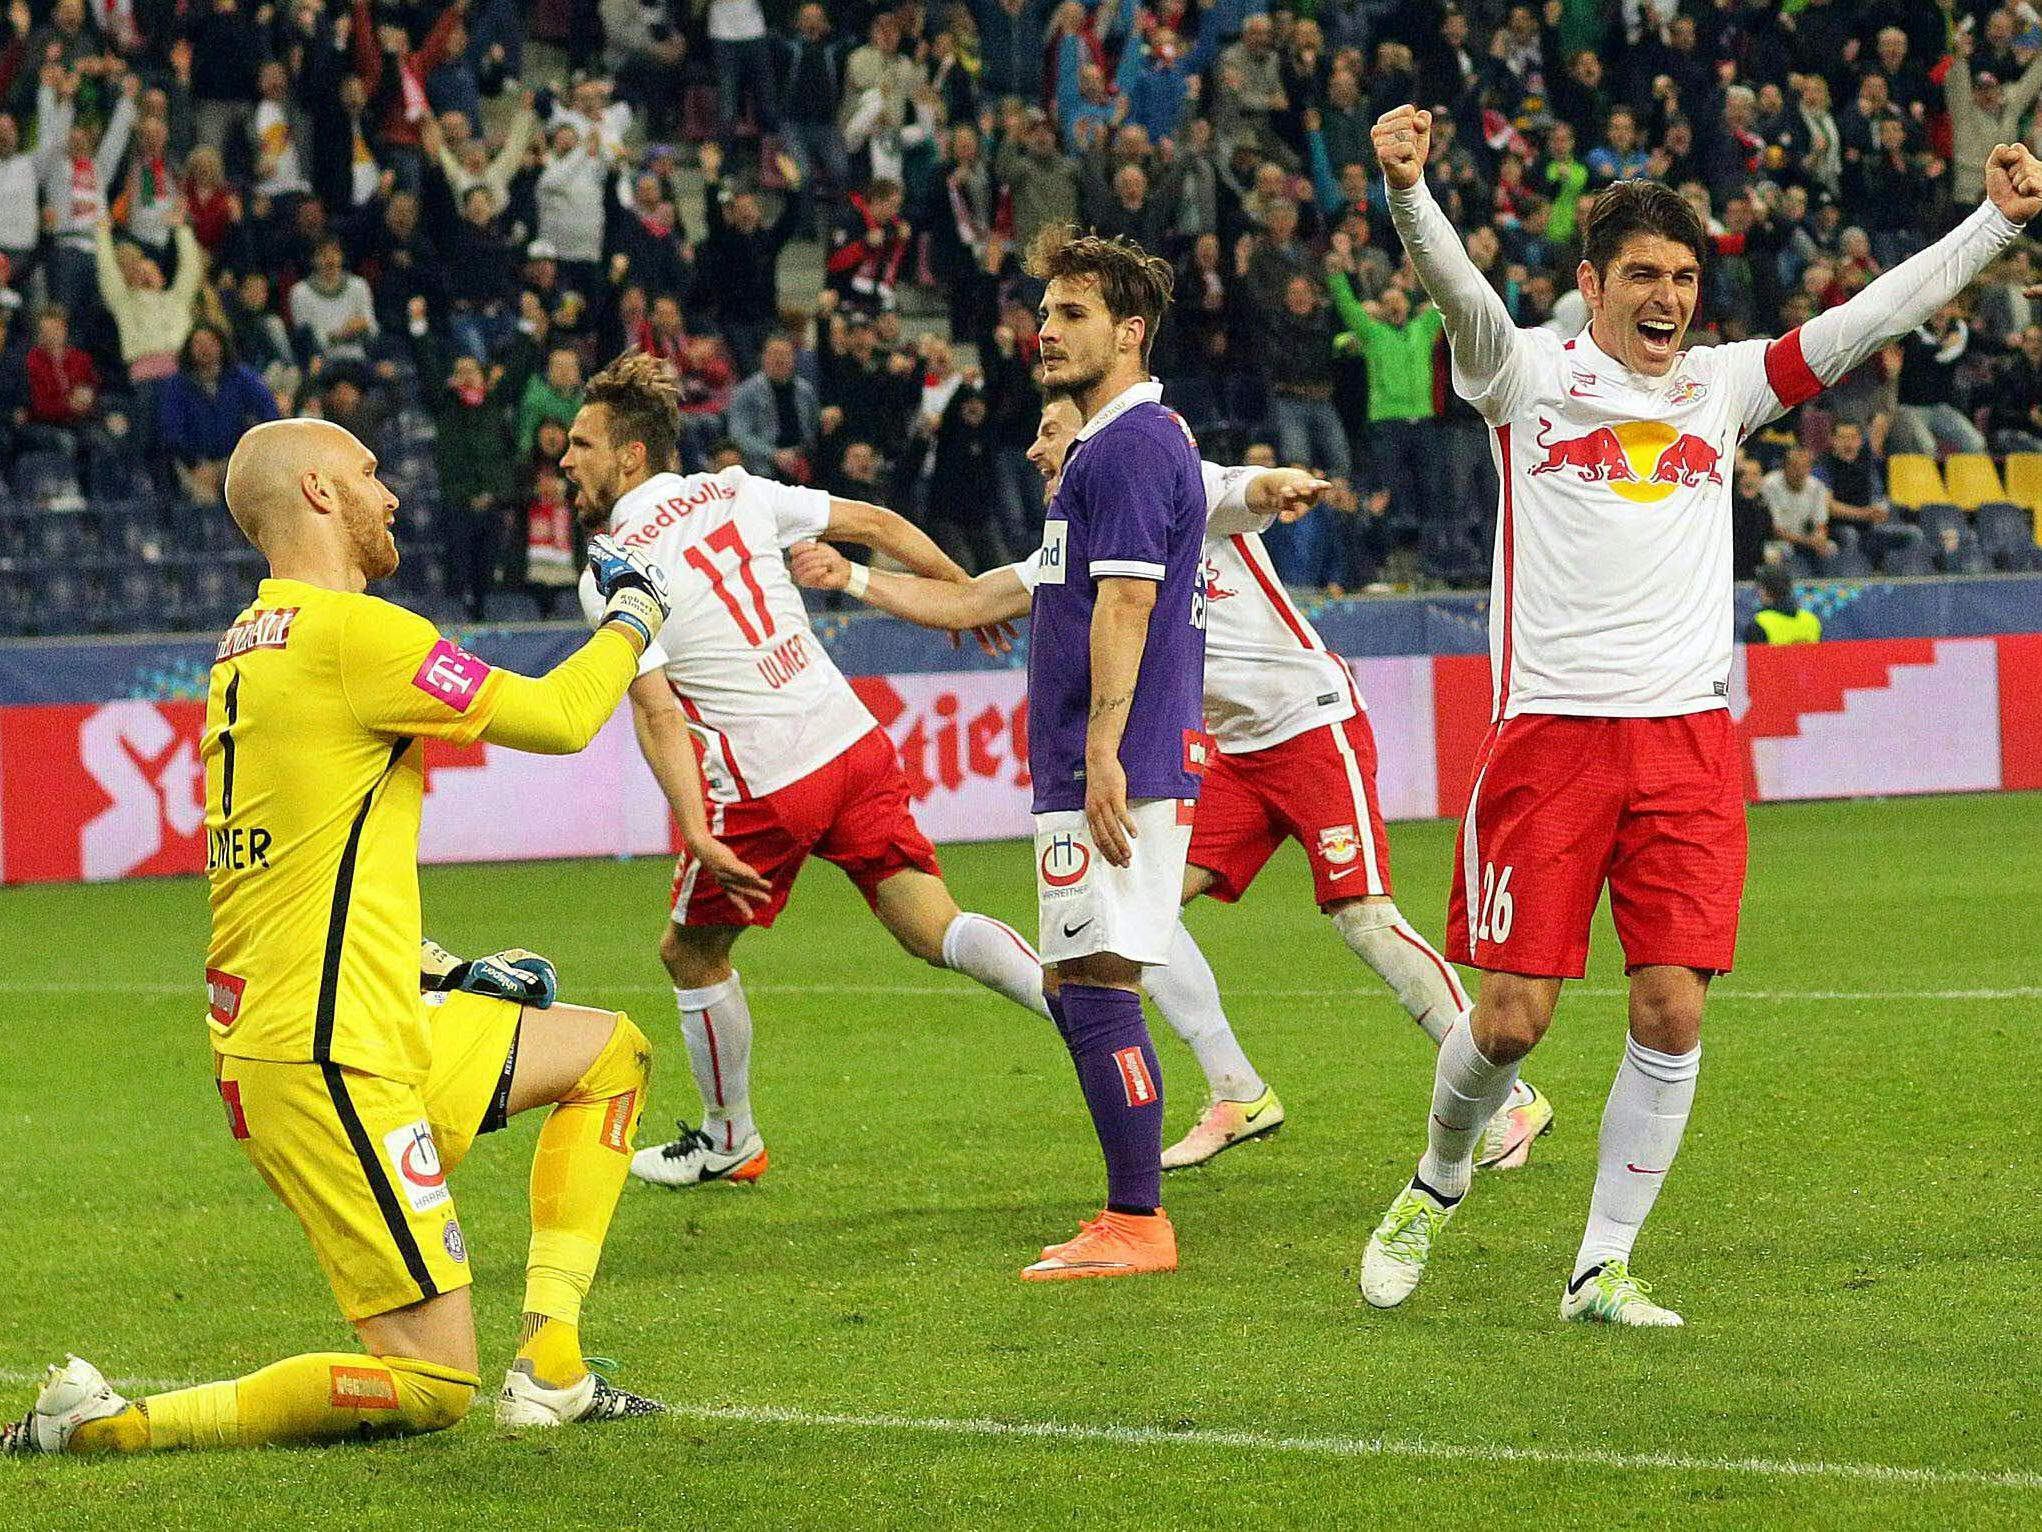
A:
[1847,563]
[1934,517]
[1910,560]
[46,477]
[2003,527]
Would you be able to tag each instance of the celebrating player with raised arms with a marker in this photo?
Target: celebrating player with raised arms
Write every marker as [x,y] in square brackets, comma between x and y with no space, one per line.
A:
[795,765]
[1295,759]
[349,1093]
[1612,758]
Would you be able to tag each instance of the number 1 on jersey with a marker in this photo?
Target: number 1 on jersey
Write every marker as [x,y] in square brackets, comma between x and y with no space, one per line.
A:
[727,539]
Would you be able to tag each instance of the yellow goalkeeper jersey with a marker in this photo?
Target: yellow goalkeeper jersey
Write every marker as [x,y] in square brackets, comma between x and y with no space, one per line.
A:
[314,781]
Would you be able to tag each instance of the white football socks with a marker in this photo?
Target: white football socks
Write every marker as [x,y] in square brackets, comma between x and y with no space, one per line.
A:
[716,1024]
[1641,1131]
[1467,1089]
[1423,981]
[1188,997]
[995,954]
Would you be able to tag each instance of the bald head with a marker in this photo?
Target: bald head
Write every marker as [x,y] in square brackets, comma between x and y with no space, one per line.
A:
[306,490]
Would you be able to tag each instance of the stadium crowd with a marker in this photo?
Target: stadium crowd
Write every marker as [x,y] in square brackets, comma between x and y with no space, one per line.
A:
[431,222]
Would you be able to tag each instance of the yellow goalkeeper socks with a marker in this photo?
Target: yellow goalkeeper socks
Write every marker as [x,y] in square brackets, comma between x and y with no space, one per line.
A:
[551,1350]
[319,1397]
[578,1173]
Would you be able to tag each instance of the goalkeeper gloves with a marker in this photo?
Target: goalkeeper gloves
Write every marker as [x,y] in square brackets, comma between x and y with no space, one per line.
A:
[633,588]
[512,974]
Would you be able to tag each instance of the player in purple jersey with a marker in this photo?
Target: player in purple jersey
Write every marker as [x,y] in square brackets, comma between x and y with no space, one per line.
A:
[1116,673]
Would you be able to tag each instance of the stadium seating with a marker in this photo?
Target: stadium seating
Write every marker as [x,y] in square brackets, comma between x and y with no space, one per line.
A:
[1908,561]
[1972,480]
[1913,480]
[2005,532]
[1937,516]
[48,480]
[2024,485]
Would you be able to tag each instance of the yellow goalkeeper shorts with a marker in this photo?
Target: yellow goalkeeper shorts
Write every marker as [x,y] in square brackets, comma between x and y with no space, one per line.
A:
[363,1160]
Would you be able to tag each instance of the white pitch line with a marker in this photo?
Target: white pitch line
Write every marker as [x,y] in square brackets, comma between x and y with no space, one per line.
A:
[1304,1446]
[957,990]
[1369,1447]
[129,1386]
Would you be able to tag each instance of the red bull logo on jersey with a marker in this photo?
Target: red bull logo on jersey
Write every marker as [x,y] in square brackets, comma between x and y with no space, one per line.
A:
[1595,458]
[1688,462]
[1214,591]
[1641,460]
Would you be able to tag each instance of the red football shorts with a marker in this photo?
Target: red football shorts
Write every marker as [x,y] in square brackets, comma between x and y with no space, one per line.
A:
[1318,787]
[852,812]
[1654,807]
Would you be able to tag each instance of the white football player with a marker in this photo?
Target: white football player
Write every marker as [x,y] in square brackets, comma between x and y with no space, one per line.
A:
[794,764]
[1296,760]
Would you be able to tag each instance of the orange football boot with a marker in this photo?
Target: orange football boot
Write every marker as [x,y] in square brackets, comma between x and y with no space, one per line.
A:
[1111,1245]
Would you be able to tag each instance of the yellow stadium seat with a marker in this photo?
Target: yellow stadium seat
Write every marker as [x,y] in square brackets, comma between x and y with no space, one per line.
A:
[1912,481]
[1972,479]
[2024,479]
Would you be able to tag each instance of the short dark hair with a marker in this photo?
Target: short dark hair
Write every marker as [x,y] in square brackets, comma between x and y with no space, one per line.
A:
[641,404]
[1638,206]
[1133,283]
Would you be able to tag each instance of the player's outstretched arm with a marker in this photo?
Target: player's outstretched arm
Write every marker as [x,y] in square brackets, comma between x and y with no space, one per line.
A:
[560,712]
[884,531]
[1247,499]
[404,681]
[663,741]
[877,528]
[1479,334]
[995,597]
[1836,340]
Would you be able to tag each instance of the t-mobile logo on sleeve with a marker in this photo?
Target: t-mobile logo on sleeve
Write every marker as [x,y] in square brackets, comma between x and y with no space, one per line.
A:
[451,675]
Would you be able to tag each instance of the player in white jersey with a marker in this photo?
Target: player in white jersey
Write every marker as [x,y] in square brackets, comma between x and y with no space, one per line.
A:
[794,764]
[1295,760]
[1612,758]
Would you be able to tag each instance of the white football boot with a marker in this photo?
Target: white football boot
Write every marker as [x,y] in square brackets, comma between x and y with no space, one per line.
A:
[1608,1294]
[72,1394]
[1507,1141]
[525,1403]
[1397,1251]
[1223,1125]
[693,1158]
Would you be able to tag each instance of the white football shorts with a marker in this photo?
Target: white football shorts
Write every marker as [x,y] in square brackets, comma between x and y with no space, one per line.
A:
[1087,905]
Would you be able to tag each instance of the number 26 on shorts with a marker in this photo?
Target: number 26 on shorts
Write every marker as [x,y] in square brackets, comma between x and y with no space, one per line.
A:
[1492,923]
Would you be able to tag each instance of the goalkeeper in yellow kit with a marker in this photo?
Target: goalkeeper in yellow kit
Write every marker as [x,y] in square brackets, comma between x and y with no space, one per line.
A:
[350,1093]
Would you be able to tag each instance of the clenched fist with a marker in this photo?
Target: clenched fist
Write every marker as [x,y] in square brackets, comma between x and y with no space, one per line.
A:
[1403,139]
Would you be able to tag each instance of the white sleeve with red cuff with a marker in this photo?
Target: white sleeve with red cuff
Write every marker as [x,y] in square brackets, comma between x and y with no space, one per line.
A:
[1808,359]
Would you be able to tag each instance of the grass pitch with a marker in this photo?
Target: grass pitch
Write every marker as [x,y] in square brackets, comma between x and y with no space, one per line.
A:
[1851,1230]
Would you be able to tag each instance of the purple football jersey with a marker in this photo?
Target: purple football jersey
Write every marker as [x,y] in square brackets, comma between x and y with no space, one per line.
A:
[1132,505]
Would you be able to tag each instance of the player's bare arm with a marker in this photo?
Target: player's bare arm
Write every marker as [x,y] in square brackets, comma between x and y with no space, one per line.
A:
[887,532]
[663,741]
[1120,632]
[884,531]
[1285,493]
[993,598]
